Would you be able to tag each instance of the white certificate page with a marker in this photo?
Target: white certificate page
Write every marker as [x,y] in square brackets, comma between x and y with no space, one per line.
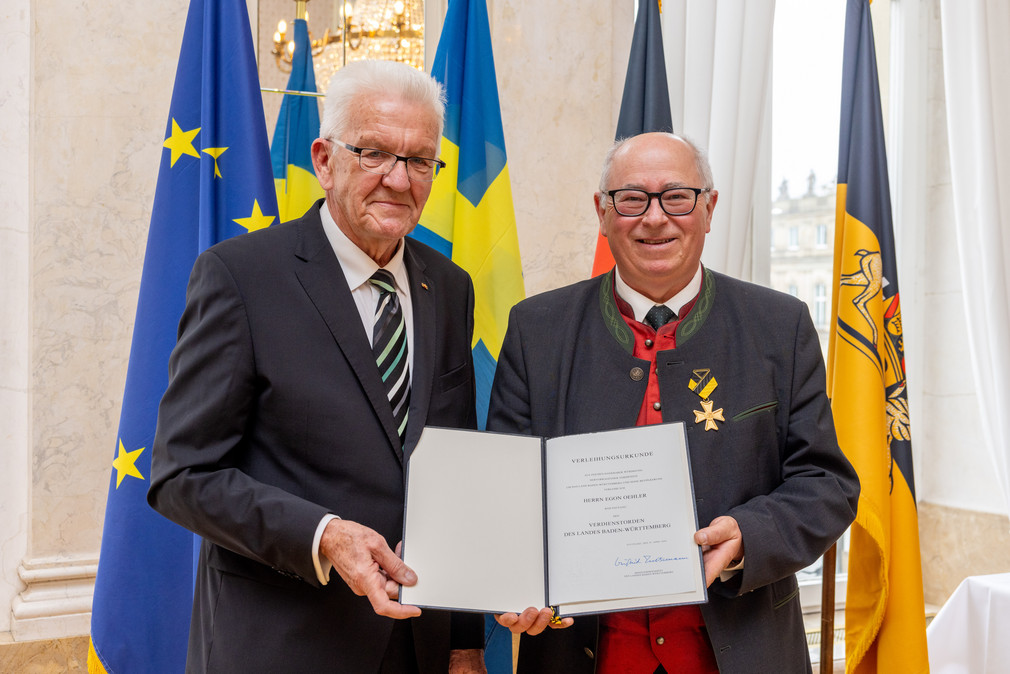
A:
[474,528]
[621,518]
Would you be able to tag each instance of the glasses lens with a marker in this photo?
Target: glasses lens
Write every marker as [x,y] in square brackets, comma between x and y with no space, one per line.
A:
[376,161]
[419,168]
[678,201]
[631,202]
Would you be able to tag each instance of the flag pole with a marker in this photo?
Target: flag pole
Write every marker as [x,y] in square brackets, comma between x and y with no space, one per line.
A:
[828,610]
[293,92]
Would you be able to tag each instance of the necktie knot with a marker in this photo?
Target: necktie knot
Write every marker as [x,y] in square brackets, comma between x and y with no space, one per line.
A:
[383,280]
[658,316]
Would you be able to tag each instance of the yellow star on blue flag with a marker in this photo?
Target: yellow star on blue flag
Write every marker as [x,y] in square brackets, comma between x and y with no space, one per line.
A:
[216,153]
[126,464]
[181,142]
[257,220]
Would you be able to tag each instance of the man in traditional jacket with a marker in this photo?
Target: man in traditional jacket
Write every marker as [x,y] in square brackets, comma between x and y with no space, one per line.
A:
[663,338]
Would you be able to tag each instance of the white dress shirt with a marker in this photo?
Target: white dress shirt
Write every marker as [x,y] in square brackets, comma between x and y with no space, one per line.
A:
[358,268]
[640,304]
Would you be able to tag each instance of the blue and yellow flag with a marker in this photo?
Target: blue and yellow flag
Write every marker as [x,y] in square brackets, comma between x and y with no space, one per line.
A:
[469,216]
[297,126]
[885,625]
[645,105]
[214,182]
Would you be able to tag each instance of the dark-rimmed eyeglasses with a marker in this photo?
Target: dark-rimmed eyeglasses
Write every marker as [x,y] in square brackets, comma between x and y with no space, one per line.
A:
[420,169]
[631,202]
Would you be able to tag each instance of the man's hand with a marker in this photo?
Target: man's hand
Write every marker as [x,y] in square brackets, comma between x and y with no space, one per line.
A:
[722,544]
[365,562]
[531,621]
[469,661]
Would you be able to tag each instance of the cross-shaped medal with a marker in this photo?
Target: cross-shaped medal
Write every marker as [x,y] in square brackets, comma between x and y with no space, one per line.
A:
[708,416]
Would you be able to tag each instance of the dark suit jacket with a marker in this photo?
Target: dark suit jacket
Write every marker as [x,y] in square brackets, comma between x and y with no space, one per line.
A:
[774,464]
[274,416]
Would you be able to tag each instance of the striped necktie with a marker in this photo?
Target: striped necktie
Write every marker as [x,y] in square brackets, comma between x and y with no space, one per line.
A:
[389,345]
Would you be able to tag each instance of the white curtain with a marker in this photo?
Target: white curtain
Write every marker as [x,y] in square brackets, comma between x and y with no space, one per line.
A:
[976,56]
[718,63]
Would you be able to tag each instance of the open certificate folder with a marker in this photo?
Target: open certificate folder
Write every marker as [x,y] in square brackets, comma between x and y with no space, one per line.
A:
[582,523]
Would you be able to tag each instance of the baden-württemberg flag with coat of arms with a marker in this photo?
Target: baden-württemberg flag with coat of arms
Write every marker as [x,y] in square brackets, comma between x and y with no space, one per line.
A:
[885,625]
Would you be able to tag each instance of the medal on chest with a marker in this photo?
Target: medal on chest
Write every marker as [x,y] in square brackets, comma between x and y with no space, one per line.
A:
[703,384]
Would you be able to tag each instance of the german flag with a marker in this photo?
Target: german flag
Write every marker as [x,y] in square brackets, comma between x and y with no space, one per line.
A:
[885,626]
[645,104]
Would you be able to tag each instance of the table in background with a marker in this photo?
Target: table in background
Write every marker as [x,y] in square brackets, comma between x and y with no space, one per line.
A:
[971,633]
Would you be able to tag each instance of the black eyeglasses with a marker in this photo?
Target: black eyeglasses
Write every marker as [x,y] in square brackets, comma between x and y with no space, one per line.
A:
[421,169]
[674,201]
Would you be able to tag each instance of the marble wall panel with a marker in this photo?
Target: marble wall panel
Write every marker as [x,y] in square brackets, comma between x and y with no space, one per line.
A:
[958,543]
[101,81]
[15,332]
[557,84]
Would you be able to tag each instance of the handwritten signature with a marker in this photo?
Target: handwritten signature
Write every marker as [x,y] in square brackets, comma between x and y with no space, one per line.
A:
[644,559]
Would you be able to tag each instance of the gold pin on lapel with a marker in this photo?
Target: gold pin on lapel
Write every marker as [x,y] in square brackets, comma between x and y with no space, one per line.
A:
[424,285]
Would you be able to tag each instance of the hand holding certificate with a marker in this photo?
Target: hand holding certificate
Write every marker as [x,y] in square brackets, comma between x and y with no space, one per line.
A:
[584,524]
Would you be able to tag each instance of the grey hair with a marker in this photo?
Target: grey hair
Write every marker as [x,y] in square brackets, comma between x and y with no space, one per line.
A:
[700,161]
[377,78]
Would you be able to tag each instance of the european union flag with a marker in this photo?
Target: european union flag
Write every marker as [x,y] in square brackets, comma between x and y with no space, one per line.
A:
[469,215]
[297,126]
[214,182]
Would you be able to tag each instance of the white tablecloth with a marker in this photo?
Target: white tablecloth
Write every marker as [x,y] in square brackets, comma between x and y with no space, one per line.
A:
[971,633]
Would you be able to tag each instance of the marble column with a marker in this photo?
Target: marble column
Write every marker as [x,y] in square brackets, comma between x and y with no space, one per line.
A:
[91,87]
[15,331]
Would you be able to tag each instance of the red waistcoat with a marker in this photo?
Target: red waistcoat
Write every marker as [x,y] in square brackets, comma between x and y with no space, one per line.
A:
[637,642]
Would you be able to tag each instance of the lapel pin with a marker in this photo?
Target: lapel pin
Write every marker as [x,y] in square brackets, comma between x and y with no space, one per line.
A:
[424,285]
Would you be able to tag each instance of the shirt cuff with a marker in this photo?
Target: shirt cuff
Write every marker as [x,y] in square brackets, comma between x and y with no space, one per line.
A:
[320,562]
[731,570]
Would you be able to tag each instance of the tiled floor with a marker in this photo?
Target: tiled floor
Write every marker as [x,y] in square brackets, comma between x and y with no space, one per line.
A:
[51,656]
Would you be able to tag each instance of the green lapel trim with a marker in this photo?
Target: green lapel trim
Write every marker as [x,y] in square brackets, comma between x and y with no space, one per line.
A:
[702,308]
[612,315]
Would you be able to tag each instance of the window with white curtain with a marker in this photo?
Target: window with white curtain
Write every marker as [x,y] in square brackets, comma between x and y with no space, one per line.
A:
[806,99]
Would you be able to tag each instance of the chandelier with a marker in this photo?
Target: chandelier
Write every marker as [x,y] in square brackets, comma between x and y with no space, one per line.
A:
[389,30]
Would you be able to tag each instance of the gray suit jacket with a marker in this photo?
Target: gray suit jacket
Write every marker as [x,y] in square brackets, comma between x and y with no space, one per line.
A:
[274,416]
[774,465]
